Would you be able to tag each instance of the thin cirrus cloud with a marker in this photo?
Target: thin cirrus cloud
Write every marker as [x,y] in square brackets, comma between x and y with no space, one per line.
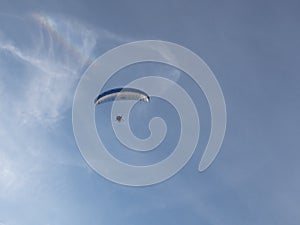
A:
[38,80]
[50,74]
[54,62]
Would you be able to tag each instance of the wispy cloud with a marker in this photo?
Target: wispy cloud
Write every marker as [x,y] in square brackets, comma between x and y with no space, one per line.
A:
[39,94]
[7,175]
[50,80]
[62,49]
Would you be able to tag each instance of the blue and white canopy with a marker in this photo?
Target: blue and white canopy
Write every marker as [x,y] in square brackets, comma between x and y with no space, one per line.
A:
[122,94]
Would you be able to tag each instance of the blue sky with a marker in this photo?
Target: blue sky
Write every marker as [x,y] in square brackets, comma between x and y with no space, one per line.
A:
[252,48]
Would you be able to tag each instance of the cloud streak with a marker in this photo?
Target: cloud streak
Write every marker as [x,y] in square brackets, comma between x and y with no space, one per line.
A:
[50,79]
[54,65]
[34,99]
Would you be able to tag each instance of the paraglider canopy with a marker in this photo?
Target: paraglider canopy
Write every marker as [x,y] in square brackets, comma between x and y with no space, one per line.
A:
[122,94]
